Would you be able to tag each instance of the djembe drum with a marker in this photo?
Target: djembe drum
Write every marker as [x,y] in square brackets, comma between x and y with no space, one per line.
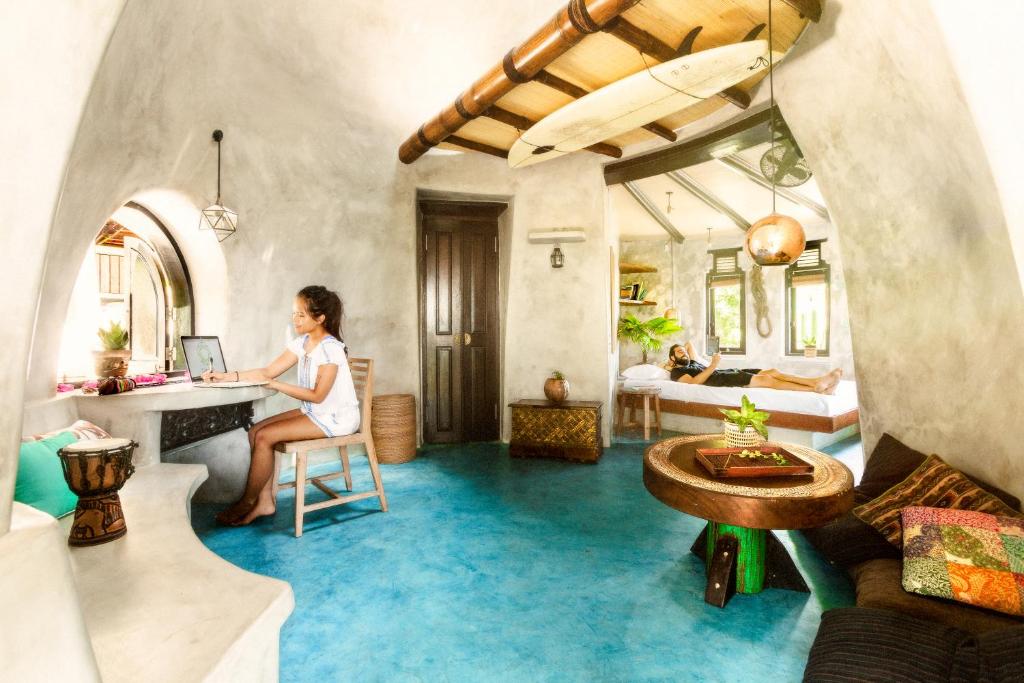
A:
[96,470]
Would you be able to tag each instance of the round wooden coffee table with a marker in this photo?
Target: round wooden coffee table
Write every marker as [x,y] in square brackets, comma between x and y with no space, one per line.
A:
[740,553]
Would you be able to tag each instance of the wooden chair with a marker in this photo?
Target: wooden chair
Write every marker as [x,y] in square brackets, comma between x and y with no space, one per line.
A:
[362,377]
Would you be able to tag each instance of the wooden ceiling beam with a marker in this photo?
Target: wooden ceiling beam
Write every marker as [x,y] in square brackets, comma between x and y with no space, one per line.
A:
[477,146]
[572,90]
[568,27]
[653,211]
[522,123]
[708,197]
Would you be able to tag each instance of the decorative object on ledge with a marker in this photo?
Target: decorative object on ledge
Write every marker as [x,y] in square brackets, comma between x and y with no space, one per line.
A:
[112,361]
[556,387]
[217,217]
[626,268]
[115,385]
[570,430]
[393,425]
[775,240]
[182,427]
[96,470]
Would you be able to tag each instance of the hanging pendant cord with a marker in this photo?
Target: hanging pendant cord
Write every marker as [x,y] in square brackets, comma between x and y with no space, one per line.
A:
[771,96]
[218,172]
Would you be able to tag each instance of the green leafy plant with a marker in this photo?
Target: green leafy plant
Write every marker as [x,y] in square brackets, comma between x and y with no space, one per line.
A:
[114,337]
[557,375]
[646,333]
[810,341]
[748,416]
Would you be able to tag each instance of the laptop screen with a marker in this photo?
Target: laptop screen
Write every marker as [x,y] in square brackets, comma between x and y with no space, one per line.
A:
[202,354]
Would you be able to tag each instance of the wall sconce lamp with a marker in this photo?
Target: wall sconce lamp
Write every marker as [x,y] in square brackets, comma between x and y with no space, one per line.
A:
[217,217]
[556,236]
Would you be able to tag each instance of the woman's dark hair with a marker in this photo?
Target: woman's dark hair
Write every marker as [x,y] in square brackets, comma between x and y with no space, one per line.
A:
[323,302]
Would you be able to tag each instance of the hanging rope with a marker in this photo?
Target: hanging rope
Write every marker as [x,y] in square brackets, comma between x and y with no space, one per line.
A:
[760,302]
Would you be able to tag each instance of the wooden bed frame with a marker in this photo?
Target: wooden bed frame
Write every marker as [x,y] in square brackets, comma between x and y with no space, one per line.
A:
[800,421]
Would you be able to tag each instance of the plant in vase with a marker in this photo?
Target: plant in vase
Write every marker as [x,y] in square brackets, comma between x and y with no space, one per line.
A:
[646,333]
[112,361]
[556,387]
[745,427]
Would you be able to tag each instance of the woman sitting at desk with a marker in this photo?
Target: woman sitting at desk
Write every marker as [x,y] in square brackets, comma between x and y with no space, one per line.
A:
[329,406]
[684,366]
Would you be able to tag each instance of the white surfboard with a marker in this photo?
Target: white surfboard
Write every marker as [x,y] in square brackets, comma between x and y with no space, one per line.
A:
[638,100]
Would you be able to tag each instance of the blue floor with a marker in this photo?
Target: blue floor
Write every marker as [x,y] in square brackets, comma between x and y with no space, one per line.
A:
[493,569]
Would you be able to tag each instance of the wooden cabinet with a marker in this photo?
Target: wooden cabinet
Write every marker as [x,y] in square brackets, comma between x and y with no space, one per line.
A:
[570,430]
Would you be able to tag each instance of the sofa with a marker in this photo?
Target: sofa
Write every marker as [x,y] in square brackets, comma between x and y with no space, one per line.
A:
[893,635]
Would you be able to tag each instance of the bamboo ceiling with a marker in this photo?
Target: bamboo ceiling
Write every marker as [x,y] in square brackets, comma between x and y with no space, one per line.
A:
[589,44]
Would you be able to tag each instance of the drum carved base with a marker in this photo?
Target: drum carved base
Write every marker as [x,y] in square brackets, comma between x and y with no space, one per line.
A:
[98,520]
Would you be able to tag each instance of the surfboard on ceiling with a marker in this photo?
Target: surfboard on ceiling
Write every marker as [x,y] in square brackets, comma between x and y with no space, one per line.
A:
[637,100]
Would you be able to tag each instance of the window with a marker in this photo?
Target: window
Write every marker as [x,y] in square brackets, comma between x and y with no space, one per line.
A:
[808,299]
[727,301]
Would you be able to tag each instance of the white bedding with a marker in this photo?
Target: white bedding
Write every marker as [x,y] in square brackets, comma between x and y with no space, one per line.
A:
[806,402]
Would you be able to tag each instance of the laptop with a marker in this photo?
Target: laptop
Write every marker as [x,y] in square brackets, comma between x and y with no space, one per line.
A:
[204,354]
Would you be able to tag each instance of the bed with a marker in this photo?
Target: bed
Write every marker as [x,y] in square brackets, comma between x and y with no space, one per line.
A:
[802,417]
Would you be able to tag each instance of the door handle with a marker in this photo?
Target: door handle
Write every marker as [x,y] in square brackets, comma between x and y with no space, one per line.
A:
[467,338]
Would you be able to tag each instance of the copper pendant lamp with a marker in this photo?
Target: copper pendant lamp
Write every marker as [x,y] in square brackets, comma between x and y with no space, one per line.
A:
[776,239]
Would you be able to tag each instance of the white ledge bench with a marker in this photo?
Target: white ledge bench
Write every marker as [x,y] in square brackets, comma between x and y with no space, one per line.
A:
[160,606]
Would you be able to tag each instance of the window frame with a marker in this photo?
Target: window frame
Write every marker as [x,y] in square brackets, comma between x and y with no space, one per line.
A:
[718,274]
[796,268]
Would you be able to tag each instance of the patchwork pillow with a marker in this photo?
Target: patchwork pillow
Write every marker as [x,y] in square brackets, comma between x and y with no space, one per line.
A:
[963,555]
[932,484]
[40,480]
[646,372]
[82,429]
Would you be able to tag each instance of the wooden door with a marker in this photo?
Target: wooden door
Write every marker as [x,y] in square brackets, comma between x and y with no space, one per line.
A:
[459,314]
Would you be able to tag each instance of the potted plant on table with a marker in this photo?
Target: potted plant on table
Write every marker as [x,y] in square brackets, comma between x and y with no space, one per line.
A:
[745,427]
[646,333]
[112,361]
[810,347]
[556,387]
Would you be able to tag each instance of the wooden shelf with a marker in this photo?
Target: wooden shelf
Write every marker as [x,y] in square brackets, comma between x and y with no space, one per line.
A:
[630,302]
[626,268]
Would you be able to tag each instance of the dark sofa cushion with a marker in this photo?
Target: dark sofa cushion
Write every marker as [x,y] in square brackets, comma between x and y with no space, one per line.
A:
[880,585]
[865,645]
[848,541]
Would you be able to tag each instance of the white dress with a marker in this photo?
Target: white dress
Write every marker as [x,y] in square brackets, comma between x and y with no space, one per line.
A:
[338,413]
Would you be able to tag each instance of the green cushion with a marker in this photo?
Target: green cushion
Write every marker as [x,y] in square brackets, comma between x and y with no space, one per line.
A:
[40,481]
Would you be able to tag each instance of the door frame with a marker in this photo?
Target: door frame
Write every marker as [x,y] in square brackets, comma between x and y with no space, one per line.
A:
[504,221]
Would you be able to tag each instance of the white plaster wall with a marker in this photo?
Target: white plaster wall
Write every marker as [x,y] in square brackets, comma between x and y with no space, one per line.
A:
[49,53]
[691,262]
[312,126]
[934,294]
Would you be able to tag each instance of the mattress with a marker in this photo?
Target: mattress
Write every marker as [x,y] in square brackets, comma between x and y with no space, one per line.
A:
[806,402]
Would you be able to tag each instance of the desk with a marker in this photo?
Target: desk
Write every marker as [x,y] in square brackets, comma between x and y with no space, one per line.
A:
[139,414]
[740,553]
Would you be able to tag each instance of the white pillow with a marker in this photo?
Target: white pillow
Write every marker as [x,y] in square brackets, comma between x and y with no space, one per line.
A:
[646,372]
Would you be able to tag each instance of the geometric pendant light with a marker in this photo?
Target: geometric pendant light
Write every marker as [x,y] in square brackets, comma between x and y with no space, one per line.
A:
[222,220]
[775,240]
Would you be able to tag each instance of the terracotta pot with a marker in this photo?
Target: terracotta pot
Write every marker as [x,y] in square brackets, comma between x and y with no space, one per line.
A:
[810,352]
[557,390]
[112,363]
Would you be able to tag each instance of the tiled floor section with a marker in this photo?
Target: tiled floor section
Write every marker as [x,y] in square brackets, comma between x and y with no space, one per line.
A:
[493,569]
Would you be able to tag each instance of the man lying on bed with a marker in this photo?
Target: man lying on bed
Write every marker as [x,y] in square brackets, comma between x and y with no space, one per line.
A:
[685,367]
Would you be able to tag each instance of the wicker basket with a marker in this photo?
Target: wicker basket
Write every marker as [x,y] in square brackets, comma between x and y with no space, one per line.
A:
[393,424]
[737,439]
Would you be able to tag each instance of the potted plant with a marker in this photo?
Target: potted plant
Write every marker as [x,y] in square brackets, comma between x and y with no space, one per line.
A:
[112,361]
[810,347]
[745,427]
[556,387]
[646,333]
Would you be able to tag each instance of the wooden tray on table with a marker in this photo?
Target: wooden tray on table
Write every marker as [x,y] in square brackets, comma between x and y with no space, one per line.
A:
[727,462]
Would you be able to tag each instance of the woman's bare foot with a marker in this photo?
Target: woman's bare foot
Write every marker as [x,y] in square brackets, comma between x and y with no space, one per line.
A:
[263,507]
[229,514]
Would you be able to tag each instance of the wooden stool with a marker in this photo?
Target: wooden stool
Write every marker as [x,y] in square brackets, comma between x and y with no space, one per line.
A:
[632,396]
